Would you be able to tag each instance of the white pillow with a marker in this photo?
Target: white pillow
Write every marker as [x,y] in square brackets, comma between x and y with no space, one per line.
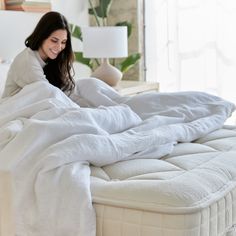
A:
[4,67]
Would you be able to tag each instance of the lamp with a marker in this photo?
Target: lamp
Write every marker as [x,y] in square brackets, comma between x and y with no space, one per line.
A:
[105,42]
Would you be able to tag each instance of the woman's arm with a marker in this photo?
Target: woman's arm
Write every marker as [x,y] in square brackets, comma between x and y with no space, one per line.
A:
[25,69]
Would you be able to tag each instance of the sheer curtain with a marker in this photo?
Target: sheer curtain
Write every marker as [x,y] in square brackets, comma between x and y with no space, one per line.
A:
[191,45]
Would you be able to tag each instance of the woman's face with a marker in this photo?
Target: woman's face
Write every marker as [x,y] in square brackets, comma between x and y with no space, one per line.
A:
[53,45]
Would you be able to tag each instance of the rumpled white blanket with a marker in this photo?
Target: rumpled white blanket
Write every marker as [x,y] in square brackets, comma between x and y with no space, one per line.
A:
[47,142]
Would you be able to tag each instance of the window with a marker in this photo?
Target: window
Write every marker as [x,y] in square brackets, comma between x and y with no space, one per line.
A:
[191,45]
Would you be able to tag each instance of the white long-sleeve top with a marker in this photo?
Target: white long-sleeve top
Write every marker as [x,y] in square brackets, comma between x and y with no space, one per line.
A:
[26,68]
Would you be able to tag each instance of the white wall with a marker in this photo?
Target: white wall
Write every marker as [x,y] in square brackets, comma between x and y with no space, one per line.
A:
[76,11]
[14,28]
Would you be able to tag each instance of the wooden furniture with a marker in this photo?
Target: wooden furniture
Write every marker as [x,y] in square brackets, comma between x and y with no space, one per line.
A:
[30,6]
[2,5]
[127,88]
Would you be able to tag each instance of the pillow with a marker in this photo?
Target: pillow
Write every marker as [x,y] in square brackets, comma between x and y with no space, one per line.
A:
[4,67]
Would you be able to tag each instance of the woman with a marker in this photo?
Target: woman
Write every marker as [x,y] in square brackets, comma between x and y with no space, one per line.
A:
[48,57]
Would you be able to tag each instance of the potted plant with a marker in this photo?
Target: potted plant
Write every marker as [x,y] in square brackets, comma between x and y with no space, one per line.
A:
[101,13]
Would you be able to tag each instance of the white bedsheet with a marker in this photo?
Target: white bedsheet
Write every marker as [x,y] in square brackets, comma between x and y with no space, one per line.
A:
[47,142]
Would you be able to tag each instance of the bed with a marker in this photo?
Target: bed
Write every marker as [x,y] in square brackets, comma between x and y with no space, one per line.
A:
[152,164]
[157,185]
[188,192]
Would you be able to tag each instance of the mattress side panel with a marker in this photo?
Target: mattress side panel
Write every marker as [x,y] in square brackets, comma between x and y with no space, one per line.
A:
[214,220]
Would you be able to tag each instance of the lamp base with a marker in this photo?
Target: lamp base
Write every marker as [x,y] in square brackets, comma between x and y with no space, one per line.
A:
[108,73]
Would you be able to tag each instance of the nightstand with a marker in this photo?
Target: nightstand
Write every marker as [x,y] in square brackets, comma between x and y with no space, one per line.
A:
[129,88]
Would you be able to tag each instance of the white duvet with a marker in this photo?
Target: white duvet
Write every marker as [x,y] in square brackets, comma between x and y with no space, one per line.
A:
[47,142]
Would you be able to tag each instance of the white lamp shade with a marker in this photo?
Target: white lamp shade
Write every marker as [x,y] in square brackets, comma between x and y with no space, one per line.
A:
[105,42]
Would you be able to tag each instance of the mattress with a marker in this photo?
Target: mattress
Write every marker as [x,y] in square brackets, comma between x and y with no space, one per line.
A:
[190,192]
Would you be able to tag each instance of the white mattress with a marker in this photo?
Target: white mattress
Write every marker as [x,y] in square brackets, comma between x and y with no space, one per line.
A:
[191,192]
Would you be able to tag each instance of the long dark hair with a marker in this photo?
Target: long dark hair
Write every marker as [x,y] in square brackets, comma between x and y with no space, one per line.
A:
[58,71]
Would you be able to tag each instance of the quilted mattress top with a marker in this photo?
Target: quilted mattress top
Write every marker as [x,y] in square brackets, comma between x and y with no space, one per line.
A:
[192,177]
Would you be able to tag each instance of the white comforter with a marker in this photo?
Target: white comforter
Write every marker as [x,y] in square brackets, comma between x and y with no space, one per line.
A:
[47,142]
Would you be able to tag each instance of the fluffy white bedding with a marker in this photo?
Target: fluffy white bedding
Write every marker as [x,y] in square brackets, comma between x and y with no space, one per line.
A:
[48,142]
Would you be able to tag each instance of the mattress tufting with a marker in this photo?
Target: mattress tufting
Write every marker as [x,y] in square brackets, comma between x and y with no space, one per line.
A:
[189,192]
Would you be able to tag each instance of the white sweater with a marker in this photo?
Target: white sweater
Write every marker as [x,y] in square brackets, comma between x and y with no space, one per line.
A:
[26,68]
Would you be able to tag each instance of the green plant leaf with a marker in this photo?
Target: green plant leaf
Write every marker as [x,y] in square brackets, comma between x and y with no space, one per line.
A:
[86,61]
[125,23]
[102,9]
[76,32]
[129,62]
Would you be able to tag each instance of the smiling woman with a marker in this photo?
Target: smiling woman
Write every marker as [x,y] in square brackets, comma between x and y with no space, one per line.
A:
[53,45]
[48,57]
